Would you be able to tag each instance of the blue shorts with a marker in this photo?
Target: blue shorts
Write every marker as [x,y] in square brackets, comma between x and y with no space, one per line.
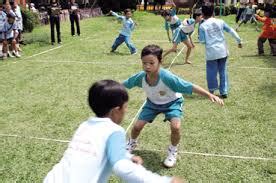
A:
[170,110]
[179,36]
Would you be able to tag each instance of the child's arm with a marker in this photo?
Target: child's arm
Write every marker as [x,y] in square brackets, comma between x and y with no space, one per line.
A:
[124,167]
[168,30]
[116,15]
[199,90]
[261,19]
[233,33]
[201,35]
[135,80]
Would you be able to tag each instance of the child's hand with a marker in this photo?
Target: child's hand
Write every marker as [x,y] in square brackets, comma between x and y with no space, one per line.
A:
[216,99]
[177,180]
[240,45]
[137,159]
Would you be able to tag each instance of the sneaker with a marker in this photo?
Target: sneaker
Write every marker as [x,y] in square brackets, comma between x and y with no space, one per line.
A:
[60,43]
[224,96]
[131,145]
[170,161]
[10,54]
[16,54]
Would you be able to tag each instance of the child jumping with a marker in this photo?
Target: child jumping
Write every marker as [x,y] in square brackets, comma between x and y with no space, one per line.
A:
[211,33]
[164,95]
[125,34]
[98,145]
[268,31]
[178,35]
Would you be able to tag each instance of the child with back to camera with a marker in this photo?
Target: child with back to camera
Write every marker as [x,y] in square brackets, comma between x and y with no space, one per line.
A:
[164,95]
[211,33]
[98,146]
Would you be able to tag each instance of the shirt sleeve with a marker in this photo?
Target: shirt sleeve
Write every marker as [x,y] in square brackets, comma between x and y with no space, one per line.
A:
[201,35]
[116,148]
[135,80]
[117,16]
[175,83]
[134,173]
[232,32]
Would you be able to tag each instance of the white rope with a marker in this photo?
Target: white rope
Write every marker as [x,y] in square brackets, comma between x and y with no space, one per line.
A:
[180,152]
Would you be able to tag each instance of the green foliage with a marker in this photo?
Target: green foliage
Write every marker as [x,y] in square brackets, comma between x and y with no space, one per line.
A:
[226,10]
[30,20]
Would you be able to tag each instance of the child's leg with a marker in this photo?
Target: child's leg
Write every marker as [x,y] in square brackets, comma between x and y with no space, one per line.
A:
[173,49]
[118,41]
[189,49]
[211,72]
[175,124]
[135,132]
[223,84]
[272,43]
[130,46]
[175,131]
[13,43]
[261,42]
[137,128]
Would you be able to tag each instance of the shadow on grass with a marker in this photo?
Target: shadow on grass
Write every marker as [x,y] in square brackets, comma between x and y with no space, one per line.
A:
[152,160]
[268,59]
[117,53]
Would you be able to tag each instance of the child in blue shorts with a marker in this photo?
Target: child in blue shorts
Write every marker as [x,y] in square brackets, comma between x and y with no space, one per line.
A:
[125,34]
[164,95]
[178,36]
[98,146]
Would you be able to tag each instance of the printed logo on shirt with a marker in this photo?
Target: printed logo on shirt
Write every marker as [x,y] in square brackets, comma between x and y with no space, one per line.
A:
[162,93]
[213,30]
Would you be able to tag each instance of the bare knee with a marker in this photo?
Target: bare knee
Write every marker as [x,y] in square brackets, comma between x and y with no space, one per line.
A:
[139,125]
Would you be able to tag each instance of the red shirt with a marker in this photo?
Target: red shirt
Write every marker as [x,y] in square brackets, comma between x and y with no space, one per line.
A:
[269,27]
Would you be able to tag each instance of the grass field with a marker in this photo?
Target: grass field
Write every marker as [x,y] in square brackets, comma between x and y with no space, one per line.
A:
[44,93]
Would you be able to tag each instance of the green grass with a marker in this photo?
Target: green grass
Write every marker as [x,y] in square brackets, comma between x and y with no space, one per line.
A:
[45,96]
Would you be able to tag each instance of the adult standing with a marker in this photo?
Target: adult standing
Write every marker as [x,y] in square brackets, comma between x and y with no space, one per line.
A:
[54,12]
[74,17]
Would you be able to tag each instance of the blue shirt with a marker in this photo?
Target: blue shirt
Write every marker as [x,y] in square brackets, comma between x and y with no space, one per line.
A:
[8,30]
[3,19]
[168,88]
[128,24]
[211,33]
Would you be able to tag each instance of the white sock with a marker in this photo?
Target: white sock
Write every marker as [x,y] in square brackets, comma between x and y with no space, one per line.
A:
[132,140]
[173,148]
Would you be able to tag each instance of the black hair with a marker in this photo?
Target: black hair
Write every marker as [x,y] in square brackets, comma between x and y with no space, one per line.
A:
[197,13]
[152,50]
[165,13]
[104,95]
[208,10]
[127,10]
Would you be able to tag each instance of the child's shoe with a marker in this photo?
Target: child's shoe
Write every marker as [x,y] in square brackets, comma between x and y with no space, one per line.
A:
[170,161]
[10,54]
[16,54]
[131,145]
